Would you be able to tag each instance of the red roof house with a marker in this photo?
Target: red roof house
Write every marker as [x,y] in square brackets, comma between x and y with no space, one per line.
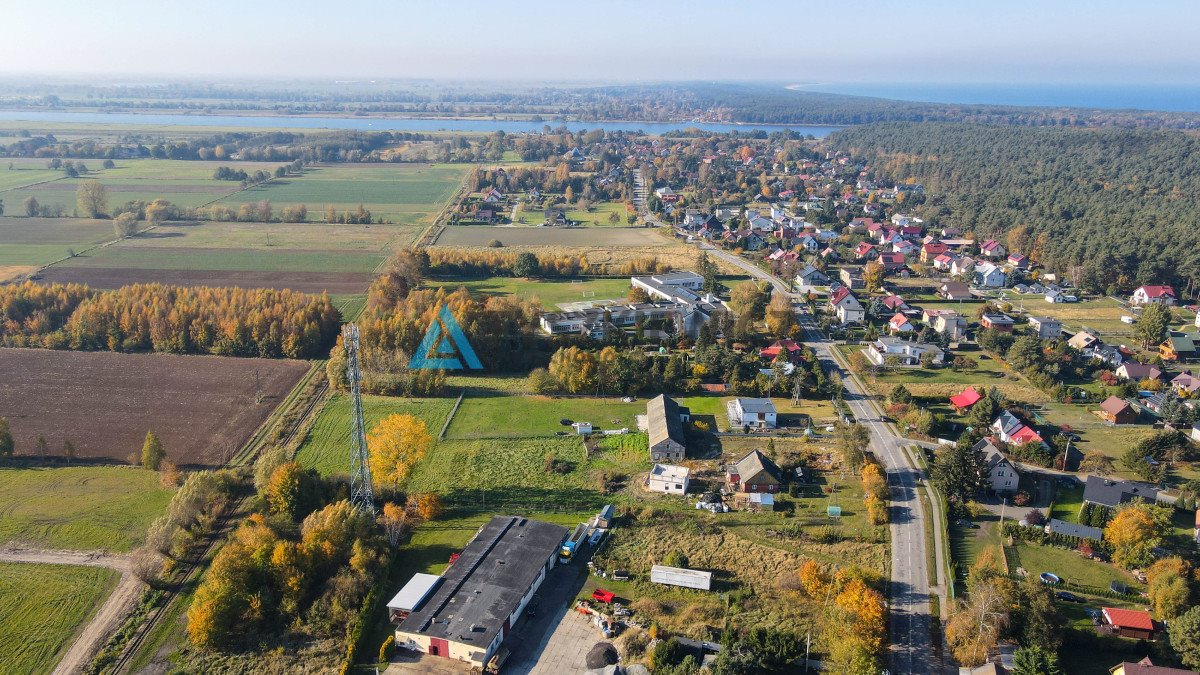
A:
[899,324]
[1128,622]
[966,399]
[892,261]
[792,350]
[1025,435]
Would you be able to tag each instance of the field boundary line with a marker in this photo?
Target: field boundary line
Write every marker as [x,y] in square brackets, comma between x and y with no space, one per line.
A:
[450,417]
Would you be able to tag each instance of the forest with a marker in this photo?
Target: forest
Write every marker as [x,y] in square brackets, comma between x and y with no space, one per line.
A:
[1111,208]
[153,317]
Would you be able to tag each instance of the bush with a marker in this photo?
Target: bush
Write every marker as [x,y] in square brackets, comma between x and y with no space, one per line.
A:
[676,559]
[1035,517]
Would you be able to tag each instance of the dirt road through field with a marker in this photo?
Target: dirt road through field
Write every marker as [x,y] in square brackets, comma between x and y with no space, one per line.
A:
[106,620]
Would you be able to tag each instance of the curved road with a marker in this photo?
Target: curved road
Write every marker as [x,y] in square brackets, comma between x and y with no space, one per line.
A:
[909,590]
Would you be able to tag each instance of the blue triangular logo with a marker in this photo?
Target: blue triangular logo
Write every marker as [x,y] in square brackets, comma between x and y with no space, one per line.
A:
[443,339]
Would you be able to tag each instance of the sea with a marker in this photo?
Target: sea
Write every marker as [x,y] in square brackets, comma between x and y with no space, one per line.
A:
[1171,98]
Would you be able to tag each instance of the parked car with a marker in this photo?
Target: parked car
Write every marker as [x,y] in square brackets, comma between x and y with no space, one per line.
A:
[968,524]
[1070,597]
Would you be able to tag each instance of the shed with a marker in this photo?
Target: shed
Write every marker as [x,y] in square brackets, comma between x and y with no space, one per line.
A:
[678,576]
[410,598]
[1118,411]
[1128,622]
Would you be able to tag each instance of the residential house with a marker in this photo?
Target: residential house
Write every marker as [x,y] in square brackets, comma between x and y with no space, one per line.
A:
[1018,261]
[892,262]
[1054,296]
[1118,411]
[809,243]
[1197,322]
[1083,340]
[811,276]
[1003,477]
[1128,623]
[829,254]
[865,252]
[1047,328]
[752,412]
[1147,295]
[944,261]
[1186,384]
[485,216]
[846,306]
[852,278]
[962,267]
[1180,346]
[908,353]
[955,290]
[664,424]
[899,324]
[904,247]
[989,275]
[1196,437]
[1147,667]
[555,217]
[666,195]
[992,249]
[1112,493]
[791,351]
[493,196]
[754,473]
[1015,432]
[574,155]
[951,324]
[895,303]
[930,251]
[1001,323]
[668,479]
[1132,370]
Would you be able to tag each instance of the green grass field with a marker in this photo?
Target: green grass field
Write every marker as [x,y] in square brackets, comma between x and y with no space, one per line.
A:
[1096,434]
[550,292]
[122,256]
[943,382]
[34,242]
[533,416]
[1071,566]
[41,608]
[403,193]
[81,507]
[326,447]
[1067,502]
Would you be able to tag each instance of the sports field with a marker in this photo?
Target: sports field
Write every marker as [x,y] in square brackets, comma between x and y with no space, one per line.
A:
[79,507]
[42,607]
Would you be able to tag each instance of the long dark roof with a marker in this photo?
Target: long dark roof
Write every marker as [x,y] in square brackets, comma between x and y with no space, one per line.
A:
[1114,492]
[662,420]
[484,586]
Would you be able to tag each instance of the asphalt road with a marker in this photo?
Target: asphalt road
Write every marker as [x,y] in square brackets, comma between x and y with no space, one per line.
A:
[909,589]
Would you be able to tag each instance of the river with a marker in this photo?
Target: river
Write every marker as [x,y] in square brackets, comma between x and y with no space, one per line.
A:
[384,124]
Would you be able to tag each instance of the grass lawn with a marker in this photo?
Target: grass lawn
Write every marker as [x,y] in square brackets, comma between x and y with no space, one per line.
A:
[710,406]
[533,416]
[127,256]
[1102,315]
[1096,434]
[597,217]
[1070,566]
[967,544]
[326,446]
[944,382]
[1067,502]
[81,507]
[350,305]
[41,607]
[550,292]
[34,242]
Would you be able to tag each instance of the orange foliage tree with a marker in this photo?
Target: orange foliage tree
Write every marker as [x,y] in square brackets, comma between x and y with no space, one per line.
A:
[396,444]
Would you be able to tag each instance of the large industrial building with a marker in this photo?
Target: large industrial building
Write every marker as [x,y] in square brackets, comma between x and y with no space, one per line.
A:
[469,613]
[674,296]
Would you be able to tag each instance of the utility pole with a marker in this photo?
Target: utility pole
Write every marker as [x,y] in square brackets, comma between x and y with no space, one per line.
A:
[362,495]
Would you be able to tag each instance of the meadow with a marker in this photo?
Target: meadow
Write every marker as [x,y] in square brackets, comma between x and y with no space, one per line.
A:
[551,292]
[80,507]
[41,607]
[534,416]
[326,446]
[943,382]
[519,237]
[123,256]
[29,243]
[371,238]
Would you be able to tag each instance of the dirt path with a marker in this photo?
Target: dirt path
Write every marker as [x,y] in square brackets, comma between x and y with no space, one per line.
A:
[106,620]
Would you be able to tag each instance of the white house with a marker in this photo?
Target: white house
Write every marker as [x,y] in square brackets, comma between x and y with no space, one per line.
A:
[1153,295]
[989,275]
[811,276]
[1002,475]
[1196,431]
[668,479]
[753,412]
[908,352]
[948,323]
[1047,328]
[847,307]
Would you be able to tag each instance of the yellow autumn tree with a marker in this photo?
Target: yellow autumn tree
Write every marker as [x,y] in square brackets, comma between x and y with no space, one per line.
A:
[1167,586]
[425,506]
[394,520]
[976,625]
[283,489]
[1133,535]
[866,606]
[814,579]
[395,445]
[875,493]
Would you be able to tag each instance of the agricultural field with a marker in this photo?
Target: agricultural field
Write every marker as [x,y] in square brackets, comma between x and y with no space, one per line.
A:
[537,416]
[79,507]
[41,608]
[550,291]
[202,407]
[326,446]
[371,238]
[410,194]
[536,237]
[28,243]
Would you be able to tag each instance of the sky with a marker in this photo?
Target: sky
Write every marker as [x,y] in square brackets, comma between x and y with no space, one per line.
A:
[963,41]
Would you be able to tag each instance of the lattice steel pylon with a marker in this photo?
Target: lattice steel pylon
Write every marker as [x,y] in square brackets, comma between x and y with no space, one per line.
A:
[362,494]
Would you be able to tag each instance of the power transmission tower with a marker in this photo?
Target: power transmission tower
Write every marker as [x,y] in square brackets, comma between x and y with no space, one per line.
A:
[362,496]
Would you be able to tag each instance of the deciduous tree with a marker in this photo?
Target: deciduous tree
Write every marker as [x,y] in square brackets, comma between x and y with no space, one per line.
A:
[152,451]
[1133,534]
[92,199]
[396,444]
[1185,637]
[7,447]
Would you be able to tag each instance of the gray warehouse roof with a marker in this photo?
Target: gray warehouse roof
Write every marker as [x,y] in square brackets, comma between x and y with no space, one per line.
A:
[662,420]
[484,586]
